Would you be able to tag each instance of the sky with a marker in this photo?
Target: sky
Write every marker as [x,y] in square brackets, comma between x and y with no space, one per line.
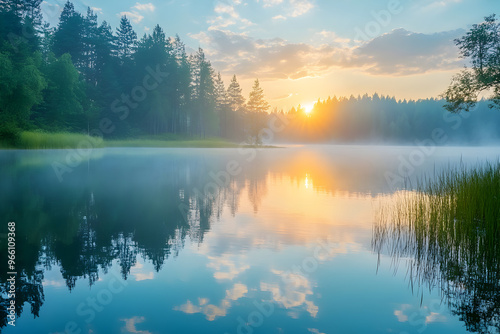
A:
[305,50]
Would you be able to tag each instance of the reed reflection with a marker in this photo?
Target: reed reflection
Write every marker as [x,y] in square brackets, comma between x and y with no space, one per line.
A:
[448,246]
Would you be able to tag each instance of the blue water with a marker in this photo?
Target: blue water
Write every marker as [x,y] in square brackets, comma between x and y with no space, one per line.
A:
[168,241]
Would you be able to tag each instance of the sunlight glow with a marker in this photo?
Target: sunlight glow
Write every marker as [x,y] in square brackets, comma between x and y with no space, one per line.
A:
[308,108]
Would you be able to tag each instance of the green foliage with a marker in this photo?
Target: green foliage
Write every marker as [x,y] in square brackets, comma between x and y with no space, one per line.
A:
[126,39]
[74,76]
[63,106]
[69,35]
[482,46]
[9,133]
[22,84]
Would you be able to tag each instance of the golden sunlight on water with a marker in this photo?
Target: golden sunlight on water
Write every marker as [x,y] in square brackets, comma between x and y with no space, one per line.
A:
[297,209]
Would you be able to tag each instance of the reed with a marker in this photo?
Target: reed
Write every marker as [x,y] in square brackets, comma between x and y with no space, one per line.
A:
[448,232]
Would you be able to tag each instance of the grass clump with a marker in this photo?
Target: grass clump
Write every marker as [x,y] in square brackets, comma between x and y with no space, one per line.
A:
[42,140]
[448,231]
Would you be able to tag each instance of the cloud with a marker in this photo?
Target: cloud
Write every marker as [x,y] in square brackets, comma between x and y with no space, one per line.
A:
[146,7]
[291,291]
[238,291]
[134,13]
[300,7]
[227,15]
[209,310]
[268,59]
[436,5]
[270,3]
[402,52]
[398,53]
[432,312]
[292,8]
[134,16]
[279,17]
[131,323]
[51,12]
[140,274]
[54,283]
[314,331]
[96,9]
[212,311]
[227,267]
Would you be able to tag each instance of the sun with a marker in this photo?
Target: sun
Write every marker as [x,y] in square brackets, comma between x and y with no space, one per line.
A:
[308,108]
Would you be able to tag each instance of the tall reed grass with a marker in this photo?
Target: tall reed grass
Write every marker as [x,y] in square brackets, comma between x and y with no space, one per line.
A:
[448,231]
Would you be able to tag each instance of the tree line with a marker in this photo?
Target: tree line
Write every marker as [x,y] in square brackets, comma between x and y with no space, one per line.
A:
[81,75]
[382,119]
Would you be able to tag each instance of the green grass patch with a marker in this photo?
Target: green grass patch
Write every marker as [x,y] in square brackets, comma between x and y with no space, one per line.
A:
[58,140]
[44,140]
[182,143]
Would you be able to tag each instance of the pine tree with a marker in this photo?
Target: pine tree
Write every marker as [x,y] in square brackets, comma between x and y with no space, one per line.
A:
[69,37]
[222,106]
[204,95]
[89,46]
[33,12]
[236,99]
[182,77]
[222,99]
[256,102]
[257,106]
[126,40]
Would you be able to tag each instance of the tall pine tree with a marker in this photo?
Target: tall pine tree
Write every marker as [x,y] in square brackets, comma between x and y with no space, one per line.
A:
[126,41]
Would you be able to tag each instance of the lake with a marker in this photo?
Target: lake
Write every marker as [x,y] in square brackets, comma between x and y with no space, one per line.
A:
[217,240]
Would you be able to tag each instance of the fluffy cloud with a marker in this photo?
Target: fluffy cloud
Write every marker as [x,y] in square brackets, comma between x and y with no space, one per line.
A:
[212,311]
[435,5]
[227,15]
[269,3]
[300,7]
[292,8]
[134,16]
[131,323]
[397,53]
[147,7]
[402,52]
[271,58]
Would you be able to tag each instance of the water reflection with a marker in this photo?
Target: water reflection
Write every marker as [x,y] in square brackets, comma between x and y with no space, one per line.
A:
[463,263]
[201,258]
[124,207]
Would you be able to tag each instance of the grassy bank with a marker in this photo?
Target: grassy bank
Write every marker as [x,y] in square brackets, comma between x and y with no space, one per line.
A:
[63,140]
[60,140]
[187,143]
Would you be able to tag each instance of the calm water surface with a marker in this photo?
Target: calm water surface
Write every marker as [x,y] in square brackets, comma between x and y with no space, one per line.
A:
[163,241]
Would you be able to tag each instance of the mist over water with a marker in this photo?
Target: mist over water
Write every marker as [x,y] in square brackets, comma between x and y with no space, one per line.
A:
[160,237]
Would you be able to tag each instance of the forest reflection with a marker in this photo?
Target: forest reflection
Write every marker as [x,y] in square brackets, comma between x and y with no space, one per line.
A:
[126,204]
[119,206]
